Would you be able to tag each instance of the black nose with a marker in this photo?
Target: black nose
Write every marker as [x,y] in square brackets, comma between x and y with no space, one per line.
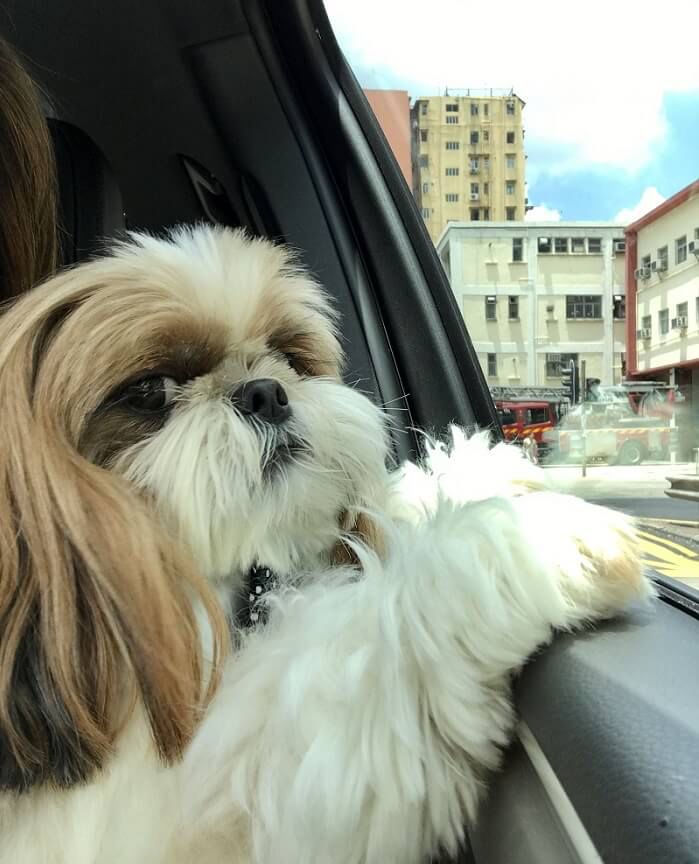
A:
[263,398]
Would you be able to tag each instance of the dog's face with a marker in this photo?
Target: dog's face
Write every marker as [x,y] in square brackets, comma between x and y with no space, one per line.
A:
[214,388]
[171,410]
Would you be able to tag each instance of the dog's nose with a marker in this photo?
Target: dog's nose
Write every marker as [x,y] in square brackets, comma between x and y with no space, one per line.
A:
[263,398]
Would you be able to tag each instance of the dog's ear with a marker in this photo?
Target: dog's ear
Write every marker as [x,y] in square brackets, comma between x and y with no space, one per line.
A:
[97,604]
[361,527]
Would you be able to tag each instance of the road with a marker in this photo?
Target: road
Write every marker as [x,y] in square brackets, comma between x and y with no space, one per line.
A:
[669,527]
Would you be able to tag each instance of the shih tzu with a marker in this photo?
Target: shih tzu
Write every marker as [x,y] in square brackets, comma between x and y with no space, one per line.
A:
[173,421]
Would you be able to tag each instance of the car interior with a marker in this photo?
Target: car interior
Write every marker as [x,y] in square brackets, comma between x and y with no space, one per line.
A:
[245,113]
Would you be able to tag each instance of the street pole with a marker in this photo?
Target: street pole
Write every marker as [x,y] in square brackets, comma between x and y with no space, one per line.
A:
[583,418]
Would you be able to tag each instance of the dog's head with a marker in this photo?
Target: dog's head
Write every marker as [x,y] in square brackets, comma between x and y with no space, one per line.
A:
[171,411]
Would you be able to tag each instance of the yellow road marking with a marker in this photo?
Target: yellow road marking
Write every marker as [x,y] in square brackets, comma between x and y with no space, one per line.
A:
[680,566]
[680,547]
[672,521]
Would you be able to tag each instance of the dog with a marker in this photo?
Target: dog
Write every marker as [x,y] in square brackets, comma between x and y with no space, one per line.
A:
[175,420]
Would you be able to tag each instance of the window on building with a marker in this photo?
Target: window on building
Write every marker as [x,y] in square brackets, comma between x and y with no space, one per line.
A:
[475,214]
[587,306]
[486,186]
[664,321]
[452,145]
[510,139]
[474,165]
[492,365]
[543,245]
[513,308]
[425,212]
[423,108]
[425,188]
[619,307]
[451,197]
[452,120]
[486,163]
[452,172]
[474,109]
[682,310]
[663,257]
[577,244]
[510,161]
[511,109]
[486,109]
[473,137]
[452,106]
[486,213]
[594,245]
[423,134]
[510,187]
[517,249]
[681,249]
[647,322]
[560,245]
[423,160]
[486,135]
[556,362]
[490,309]
[474,189]
[511,214]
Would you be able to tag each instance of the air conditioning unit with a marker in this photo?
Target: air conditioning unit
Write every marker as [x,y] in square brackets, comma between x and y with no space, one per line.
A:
[642,273]
[620,245]
[659,266]
[474,196]
[644,333]
[679,323]
[693,246]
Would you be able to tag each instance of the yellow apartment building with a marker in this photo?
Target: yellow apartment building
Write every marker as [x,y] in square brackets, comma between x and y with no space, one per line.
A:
[468,158]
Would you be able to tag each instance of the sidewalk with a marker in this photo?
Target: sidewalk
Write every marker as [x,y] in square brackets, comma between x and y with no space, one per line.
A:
[648,480]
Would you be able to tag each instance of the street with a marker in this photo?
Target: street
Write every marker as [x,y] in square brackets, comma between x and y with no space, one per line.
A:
[669,527]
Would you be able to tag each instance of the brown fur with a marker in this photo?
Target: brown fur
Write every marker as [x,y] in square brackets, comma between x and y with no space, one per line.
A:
[365,530]
[95,598]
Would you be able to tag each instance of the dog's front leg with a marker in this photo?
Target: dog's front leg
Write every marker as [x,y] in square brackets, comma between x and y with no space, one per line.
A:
[358,726]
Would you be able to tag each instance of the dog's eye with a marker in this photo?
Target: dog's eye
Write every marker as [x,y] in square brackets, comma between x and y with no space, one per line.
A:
[296,362]
[150,395]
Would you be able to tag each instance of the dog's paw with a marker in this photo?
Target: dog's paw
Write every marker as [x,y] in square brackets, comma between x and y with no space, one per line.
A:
[608,544]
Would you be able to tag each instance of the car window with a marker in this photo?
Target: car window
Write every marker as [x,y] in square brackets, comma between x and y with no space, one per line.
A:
[537,415]
[568,210]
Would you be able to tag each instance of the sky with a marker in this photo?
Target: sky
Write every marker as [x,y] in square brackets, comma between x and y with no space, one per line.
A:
[611,88]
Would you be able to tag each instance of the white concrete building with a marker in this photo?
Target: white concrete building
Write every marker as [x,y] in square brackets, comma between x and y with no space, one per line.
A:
[535,295]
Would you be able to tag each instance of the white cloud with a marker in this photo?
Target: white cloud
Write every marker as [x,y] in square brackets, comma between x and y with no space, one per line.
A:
[649,199]
[593,80]
[542,213]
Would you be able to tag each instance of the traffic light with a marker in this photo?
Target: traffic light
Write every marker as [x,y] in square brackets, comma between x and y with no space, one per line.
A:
[570,381]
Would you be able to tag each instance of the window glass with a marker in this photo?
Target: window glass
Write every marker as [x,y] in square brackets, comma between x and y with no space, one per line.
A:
[570,197]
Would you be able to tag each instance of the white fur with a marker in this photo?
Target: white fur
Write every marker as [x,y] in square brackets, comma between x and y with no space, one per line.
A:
[360,723]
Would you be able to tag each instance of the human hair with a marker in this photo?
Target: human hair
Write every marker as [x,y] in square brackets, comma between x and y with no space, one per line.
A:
[28,185]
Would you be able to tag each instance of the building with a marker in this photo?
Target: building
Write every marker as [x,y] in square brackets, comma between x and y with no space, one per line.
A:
[536,295]
[468,158]
[662,279]
[392,110]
